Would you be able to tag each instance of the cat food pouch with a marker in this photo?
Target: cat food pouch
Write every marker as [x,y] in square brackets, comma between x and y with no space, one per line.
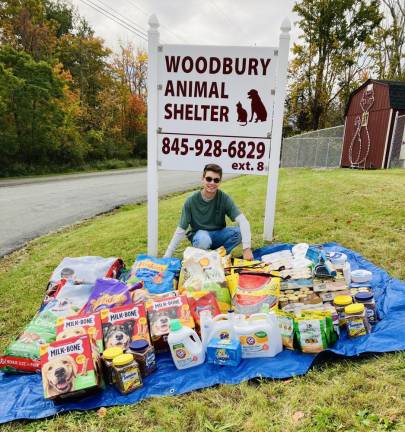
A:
[286,324]
[311,333]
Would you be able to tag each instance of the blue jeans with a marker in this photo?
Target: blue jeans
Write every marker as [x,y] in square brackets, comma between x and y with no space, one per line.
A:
[228,237]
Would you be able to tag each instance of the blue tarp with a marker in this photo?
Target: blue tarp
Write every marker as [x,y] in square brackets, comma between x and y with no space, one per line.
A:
[22,395]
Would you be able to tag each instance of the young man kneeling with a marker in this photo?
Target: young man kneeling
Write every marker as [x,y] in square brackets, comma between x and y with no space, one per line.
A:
[204,213]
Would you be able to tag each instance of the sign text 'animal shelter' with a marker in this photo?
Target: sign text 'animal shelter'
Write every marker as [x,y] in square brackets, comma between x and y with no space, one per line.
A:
[215,105]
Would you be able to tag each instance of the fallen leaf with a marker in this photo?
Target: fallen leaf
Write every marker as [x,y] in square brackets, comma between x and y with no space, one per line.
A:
[349,222]
[102,412]
[297,416]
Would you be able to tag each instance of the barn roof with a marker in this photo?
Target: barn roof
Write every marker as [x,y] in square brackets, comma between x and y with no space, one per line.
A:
[396,92]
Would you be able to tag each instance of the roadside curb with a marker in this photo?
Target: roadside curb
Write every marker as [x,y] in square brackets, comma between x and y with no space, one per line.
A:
[64,177]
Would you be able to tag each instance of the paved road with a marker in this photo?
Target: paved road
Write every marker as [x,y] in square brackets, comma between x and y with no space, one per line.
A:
[33,207]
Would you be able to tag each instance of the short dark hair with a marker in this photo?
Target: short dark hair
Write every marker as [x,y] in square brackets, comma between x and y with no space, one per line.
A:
[214,168]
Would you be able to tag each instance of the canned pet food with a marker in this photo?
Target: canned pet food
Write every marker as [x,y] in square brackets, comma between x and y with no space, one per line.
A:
[340,302]
[367,298]
[145,356]
[108,356]
[354,291]
[302,297]
[293,299]
[357,322]
[127,375]
[282,301]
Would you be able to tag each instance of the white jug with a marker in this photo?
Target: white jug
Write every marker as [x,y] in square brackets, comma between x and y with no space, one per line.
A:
[259,335]
[185,346]
[218,327]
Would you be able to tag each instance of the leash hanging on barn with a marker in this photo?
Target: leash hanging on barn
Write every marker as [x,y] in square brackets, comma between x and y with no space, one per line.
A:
[366,103]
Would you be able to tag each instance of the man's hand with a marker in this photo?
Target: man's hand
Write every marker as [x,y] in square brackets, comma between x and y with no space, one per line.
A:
[247,254]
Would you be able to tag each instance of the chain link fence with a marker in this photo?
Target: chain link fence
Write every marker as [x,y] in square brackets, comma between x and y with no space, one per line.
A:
[321,148]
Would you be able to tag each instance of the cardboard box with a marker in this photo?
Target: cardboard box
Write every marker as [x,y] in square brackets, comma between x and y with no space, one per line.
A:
[161,312]
[70,367]
[77,325]
[124,324]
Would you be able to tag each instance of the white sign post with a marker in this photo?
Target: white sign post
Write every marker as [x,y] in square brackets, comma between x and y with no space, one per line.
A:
[272,180]
[152,174]
[212,104]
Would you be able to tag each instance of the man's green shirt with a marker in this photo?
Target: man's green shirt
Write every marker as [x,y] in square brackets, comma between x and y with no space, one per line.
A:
[199,214]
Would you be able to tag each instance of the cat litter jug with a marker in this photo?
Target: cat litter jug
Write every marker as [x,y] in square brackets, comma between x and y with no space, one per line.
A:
[218,327]
[259,335]
[185,346]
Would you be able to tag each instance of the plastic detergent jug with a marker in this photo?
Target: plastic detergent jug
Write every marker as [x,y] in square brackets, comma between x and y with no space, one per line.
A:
[185,346]
[259,335]
[218,327]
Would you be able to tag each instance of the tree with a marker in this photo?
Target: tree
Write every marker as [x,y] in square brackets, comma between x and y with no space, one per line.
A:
[130,67]
[328,62]
[30,116]
[85,57]
[388,44]
[25,27]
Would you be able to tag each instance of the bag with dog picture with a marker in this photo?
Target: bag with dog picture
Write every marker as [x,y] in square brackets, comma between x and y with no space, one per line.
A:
[81,270]
[22,355]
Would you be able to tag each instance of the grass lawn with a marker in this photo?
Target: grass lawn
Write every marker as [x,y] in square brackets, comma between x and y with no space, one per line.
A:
[362,210]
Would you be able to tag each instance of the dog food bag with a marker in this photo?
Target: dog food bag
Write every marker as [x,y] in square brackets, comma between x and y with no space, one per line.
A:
[205,302]
[69,301]
[286,324]
[124,324]
[87,269]
[107,294]
[160,312]
[256,291]
[22,355]
[70,367]
[158,274]
[199,267]
[77,325]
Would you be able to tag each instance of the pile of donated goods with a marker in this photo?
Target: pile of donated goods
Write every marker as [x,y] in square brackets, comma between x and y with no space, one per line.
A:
[102,324]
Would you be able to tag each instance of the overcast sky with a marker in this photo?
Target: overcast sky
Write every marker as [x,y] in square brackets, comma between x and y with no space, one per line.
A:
[211,22]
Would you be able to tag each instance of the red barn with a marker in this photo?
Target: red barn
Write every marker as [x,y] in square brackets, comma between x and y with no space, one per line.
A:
[371,112]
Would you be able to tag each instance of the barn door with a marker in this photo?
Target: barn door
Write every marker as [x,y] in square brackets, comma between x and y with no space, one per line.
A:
[396,157]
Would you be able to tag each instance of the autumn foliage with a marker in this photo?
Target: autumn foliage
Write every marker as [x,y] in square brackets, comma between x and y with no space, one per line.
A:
[65,99]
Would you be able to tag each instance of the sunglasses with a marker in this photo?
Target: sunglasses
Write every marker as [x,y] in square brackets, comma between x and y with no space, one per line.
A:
[210,179]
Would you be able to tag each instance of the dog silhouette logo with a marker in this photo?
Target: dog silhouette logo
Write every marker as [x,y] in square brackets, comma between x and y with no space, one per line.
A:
[257,106]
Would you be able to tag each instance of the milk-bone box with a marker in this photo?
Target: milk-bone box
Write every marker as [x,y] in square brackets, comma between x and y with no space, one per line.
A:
[69,367]
[77,325]
[124,324]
